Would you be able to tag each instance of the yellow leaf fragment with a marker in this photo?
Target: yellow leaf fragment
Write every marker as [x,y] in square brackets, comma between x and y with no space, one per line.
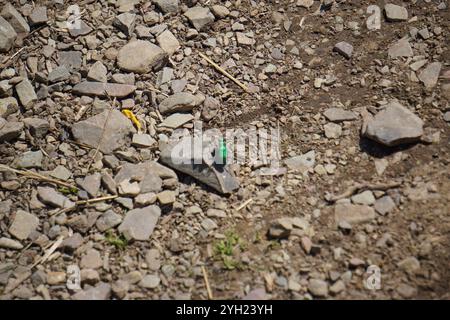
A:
[130,115]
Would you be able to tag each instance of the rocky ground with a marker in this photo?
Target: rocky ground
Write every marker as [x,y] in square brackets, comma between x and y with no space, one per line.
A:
[85,113]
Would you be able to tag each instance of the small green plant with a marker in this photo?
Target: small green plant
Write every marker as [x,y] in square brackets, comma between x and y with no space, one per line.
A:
[120,242]
[224,249]
[68,191]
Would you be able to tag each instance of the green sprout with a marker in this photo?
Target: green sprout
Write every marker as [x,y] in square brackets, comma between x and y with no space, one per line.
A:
[120,242]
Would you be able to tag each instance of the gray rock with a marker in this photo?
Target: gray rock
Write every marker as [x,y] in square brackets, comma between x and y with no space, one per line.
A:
[72,243]
[83,30]
[303,162]
[395,13]
[125,22]
[140,223]
[108,220]
[109,183]
[5,87]
[91,260]
[38,127]
[98,72]
[447,116]
[219,11]
[384,205]
[30,159]
[91,184]
[429,76]
[10,130]
[150,281]
[7,243]
[7,35]
[176,120]
[140,171]
[406,291]
[394,125]
[332,130]
[70,59]
[61,173]
[193,163]
[339,115]
[401,48]
[210,108]
[15,19]
[8,106]
[23,225]
[109,137]
[353,213]
[199,17]
[365,197]
[99,89]
[344,48]
[142,140]
[100,292]
[208,224]
[49,196]
[179,102]
[61,73]
[127,188]
[167,6]
[318,288]
[168,42]
[141,56]
[410,265]
[26,94]
[38,16]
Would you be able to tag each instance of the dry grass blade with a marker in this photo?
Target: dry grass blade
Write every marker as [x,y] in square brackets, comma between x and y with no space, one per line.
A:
[361,187]
[208,288]
[221,70]
[36,176]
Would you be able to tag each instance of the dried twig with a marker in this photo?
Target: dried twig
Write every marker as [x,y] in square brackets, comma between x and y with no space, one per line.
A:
[363,186]
[225,73]
[82,202]
[36,176]
[246,203]
[208,288]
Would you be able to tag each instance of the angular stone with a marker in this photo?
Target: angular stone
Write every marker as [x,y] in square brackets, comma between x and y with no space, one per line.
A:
[107,138]
[353,213]
[56,277]
[61,73]
[365,197]
[199,17]
[99,89]
[384,205]
[303,162]
[7,35]
[401,48]
[98,72]
[332,130]
[168,42]
[244,40]
[166,197]
[394,125]
[30,159]
[344,48]
[91,260]
[108,220]
[91,184]
[410,265]
[61,173]
[127,188]
[339,115]
[140,171]
[26,94]
[23,225]
[429,76]
[38,16]
[141,56]
[109,183]
[101,292]
[38,127]
[176,120]
[179,102]
[178,155]
[70,59]
[395,13]
[167,6]
[15,19]
[8,106]
[10,130]
[125,22]
[140,223]
[142,140]
[145,199]
[49,196]
[83,30]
